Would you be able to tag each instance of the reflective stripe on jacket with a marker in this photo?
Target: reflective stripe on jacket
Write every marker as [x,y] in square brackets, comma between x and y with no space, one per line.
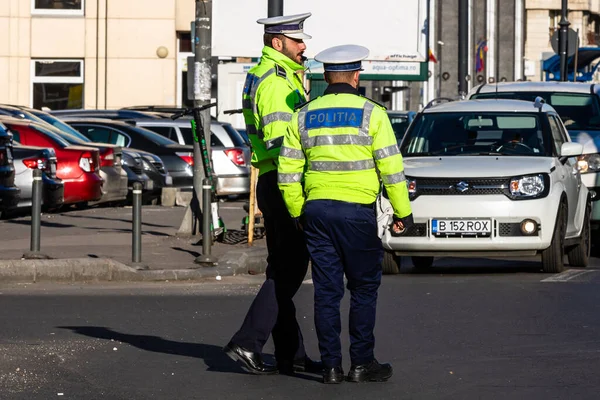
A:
[340,145]
[271,92]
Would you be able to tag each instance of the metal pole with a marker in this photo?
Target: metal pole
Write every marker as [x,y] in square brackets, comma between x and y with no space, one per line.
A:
[275,8]
[206,258]
[202,97]
[562,40]
[136,239]
[439,89]
[576,58]
[36,217]
[202,82]
[36,211]
[463,45]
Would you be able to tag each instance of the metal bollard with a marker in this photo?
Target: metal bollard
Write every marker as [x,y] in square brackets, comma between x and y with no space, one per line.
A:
[136,245]
[206,259]
[36,217]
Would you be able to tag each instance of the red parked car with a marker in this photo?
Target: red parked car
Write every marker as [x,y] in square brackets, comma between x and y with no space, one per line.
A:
[77,166]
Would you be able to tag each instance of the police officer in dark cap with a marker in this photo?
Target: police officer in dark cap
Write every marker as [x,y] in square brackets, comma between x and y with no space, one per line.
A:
[272,90]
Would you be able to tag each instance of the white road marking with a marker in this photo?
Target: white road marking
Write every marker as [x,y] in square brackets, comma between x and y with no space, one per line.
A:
[308,282]
[567,275]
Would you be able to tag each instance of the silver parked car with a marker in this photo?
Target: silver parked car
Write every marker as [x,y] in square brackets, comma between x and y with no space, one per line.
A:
[25,160]
[230,154]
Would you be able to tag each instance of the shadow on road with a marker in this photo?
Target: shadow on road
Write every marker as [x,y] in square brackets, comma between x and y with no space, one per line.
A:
[213,356]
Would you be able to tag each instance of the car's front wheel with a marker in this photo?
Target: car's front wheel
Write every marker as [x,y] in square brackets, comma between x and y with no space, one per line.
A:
[391,263]
[579,255]
[552,257]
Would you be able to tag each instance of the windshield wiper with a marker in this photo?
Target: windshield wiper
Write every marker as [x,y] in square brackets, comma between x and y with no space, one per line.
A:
[420,154]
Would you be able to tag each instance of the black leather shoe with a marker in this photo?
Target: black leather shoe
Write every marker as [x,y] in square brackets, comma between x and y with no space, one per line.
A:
[371,372]
[333,375]
[251,361]
[307,365]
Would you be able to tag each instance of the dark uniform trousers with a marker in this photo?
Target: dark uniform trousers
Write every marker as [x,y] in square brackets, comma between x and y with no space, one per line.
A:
[342,239]
[273,310]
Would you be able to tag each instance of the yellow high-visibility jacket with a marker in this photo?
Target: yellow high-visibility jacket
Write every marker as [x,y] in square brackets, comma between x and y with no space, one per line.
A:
[340,145]
[271,92]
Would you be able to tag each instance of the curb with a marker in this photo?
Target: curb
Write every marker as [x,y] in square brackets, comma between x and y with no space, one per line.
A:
[236,262]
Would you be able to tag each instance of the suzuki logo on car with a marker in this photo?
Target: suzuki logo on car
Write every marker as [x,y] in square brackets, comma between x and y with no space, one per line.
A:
[462,186]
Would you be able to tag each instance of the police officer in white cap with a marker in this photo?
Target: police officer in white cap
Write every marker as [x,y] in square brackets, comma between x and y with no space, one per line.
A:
[335,151]
[273,89]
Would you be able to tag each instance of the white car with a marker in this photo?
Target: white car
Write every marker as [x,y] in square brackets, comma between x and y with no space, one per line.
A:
[492,178]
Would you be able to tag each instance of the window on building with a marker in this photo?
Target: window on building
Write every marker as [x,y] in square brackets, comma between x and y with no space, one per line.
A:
[73,7]
[57,84]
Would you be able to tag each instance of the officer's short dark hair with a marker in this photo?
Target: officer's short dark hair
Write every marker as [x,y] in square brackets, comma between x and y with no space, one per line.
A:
[268,38]
[339,76]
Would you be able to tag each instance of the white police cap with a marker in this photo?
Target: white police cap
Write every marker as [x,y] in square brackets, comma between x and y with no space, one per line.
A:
[347,57]
[291,26]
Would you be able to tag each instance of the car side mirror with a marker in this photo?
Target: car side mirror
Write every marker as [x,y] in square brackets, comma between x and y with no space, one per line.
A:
[570,149]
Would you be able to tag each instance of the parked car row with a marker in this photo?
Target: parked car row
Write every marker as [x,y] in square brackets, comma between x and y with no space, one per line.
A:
[172,141]
[95,156]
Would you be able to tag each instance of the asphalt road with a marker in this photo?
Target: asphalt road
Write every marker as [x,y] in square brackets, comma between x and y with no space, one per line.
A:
[489,330]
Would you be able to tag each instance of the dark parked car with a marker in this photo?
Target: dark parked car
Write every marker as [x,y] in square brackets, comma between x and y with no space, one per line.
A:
[178,159]
[9,193]
[28,158]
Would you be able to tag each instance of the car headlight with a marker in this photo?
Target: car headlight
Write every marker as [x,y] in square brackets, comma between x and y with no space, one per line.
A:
[588,163]
[529,186]
[411,184]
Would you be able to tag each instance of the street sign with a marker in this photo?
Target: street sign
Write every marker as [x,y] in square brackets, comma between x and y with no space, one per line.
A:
[572,42]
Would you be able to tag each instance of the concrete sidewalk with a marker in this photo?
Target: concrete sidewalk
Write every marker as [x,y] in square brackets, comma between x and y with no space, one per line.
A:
[95,245]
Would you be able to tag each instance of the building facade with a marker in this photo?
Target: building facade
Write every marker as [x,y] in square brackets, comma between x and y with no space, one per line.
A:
[92,53]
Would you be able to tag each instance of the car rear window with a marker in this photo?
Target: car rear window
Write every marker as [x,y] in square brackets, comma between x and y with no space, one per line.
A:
[234,135]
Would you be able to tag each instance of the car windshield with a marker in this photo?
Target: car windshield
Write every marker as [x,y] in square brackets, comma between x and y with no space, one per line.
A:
[472,133]
[577,110]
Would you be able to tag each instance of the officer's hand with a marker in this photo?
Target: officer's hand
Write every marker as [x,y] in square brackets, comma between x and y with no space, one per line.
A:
[398,227]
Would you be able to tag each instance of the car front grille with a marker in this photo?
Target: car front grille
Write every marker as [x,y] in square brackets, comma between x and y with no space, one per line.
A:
[460,187]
